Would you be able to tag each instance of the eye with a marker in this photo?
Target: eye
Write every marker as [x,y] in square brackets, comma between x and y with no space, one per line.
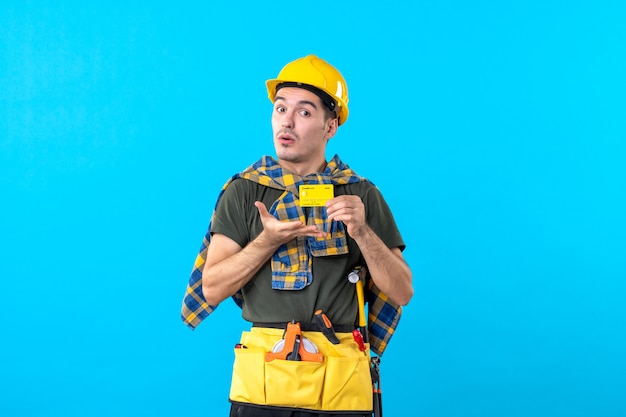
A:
[280,109]
[305,113]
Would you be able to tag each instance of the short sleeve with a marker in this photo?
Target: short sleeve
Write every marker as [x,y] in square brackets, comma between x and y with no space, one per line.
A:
[381,220]
[232,212]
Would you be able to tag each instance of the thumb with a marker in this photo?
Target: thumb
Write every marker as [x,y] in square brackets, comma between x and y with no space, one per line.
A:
[262,209]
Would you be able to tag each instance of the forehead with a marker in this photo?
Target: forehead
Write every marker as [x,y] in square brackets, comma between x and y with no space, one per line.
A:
[298,95]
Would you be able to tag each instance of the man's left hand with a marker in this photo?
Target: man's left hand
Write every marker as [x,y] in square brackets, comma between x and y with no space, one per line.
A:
[350,210]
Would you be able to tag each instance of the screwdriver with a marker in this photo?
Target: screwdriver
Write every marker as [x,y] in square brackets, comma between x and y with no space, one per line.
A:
[358,338]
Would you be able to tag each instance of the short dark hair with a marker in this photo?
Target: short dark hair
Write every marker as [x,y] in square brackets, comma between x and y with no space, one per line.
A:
[330,104]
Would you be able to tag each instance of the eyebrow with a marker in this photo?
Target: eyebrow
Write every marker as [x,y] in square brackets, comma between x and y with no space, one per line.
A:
[301,102]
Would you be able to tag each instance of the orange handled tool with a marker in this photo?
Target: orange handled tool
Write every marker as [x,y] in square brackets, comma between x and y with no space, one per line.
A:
[293,347]
[326,327]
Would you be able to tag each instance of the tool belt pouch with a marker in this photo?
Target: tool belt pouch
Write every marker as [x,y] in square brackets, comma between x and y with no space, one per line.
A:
[340,382]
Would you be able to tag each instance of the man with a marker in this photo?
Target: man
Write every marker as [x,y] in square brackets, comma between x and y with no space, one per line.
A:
[284,237]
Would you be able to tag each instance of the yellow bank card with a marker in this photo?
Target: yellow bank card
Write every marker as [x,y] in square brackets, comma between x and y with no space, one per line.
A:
[315,195]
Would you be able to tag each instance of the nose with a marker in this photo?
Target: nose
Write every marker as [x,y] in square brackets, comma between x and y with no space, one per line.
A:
[287,120]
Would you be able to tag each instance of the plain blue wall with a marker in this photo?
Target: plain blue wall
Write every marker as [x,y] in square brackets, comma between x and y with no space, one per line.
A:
[494,129]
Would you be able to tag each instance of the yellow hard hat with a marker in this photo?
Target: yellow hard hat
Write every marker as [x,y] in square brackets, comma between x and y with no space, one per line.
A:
[311,71]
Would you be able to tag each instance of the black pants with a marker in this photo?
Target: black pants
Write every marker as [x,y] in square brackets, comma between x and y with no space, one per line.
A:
[239,410]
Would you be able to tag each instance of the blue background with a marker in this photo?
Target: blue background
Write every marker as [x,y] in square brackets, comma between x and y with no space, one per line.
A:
[494,129]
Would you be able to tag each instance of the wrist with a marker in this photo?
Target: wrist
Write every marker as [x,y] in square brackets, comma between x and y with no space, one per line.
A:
[264,240]
[361,233]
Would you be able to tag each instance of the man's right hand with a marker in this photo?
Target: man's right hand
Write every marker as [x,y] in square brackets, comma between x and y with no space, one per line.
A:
[278,232]
[228,266]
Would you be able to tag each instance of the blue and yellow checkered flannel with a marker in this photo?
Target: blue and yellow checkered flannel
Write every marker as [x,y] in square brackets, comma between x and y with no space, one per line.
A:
[291,264]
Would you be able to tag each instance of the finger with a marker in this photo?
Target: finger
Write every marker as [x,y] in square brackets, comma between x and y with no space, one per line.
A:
[320,234]
[292,227]
[262,209]
[340,213]
[334,205]
[343,201]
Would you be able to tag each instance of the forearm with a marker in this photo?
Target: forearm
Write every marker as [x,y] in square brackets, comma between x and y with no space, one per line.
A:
[386,266]
[225,277]
[229,267]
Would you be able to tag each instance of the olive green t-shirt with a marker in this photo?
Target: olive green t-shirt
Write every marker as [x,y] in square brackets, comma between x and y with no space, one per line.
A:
[237,218]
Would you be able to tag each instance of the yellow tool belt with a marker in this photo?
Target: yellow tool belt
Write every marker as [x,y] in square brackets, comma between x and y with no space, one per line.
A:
[339,381]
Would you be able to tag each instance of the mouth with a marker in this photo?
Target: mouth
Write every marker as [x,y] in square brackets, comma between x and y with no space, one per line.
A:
[286,138]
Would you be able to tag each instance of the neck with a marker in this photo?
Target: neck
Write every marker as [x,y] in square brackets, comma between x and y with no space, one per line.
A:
[303,169]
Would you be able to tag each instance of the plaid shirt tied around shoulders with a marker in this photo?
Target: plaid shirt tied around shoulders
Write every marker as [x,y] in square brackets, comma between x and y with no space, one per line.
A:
[291,263]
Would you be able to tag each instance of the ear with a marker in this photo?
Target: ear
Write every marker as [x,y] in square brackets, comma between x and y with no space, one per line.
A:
[331,127]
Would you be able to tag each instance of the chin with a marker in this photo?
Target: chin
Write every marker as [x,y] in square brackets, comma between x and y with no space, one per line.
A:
[287,156]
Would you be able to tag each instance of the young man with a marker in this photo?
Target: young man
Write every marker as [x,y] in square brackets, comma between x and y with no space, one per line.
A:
[284,237]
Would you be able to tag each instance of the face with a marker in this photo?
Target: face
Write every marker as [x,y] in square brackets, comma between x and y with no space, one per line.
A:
[301,130]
